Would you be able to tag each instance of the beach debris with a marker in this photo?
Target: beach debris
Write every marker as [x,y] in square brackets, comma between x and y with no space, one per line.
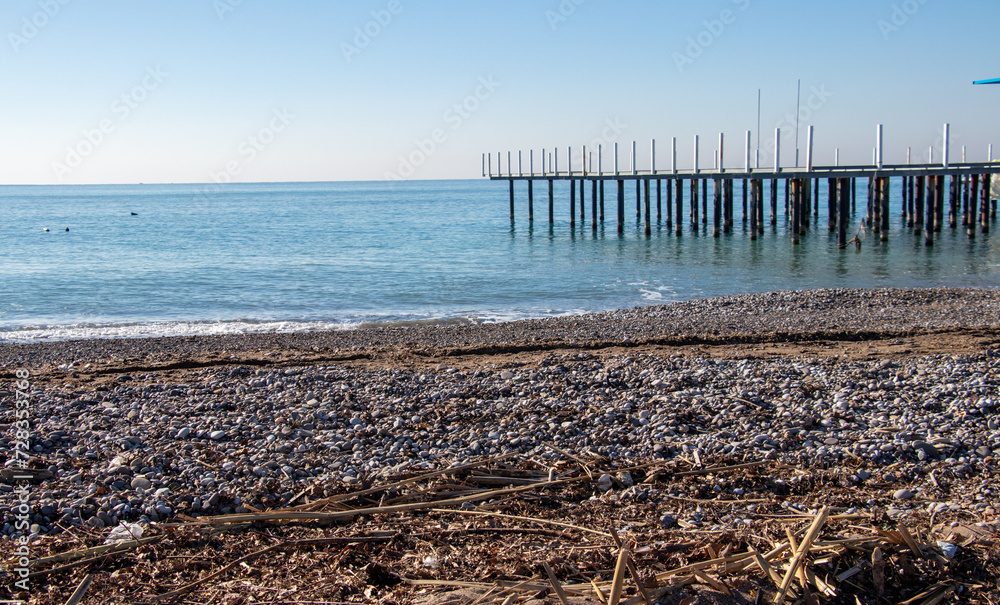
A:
[808,557]
[124,532]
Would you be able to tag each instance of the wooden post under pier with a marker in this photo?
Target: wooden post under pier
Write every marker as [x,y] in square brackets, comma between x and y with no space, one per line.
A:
[774,201]
[929,222]
[593,205]
[973,200]
[844,206]
[832,204]
[602,202]
[760,207]
[511,199]
[805,196]
[704,201]
[953,202]
[716,207]
[621,206]
[921,191]
[694,205]
[985,204]
[885,208]
[744,200]
[939,203]
[531,200]
[669,215]
[649,228]
[902,205]
[753,211]
[966,182]
[572,203]
[679,191]
[795,207]
[815,197]
[727,225]
[870,213]
[659,201]
[788,198]
[551,215]
[908,188]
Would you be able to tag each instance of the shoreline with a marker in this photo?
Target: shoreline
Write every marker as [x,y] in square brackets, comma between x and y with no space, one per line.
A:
[808,315]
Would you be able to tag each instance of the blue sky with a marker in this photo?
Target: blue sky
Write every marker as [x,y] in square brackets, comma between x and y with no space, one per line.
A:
[119,91]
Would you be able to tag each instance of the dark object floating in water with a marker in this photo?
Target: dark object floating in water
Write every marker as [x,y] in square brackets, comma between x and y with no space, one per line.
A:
[67,229]
[134,213]
[45,229]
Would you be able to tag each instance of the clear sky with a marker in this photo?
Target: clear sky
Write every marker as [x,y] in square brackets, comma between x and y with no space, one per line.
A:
[125,91]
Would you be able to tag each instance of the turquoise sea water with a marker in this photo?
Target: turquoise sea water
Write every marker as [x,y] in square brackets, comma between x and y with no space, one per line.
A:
[199,259]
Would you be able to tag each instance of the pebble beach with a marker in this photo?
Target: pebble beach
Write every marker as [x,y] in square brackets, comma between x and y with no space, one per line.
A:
[136,431]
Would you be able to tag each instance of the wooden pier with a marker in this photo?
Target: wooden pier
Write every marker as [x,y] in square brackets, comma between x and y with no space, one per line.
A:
[958,194]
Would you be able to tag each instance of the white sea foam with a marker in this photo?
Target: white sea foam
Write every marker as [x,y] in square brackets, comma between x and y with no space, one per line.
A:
[160,329]
[55,333]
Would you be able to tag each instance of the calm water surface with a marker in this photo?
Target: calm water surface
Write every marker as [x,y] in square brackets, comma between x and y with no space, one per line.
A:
[201,260]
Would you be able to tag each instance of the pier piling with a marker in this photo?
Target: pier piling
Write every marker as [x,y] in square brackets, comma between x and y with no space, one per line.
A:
[593,205]
[531,201]
[621,206]
[844,202]
[572,203]
[511,199]
[649,228]
[973,200]
[679,190]
[716,207]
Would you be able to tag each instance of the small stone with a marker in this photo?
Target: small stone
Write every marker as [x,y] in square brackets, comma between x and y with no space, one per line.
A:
[604,482]
[141,483]
[929,450]
[184,432]
[902,494]
[216,435]
[506,375]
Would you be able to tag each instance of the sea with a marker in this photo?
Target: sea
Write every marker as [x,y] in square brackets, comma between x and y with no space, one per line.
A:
[124,261]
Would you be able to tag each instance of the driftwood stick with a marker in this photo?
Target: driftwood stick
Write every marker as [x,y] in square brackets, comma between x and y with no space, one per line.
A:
[704,578]
[630,562]
[767,569]
[801,552]
[81,590]
[556,586]
[910,541]
[619,582]
[300,515]
[477,513]
[104,549]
